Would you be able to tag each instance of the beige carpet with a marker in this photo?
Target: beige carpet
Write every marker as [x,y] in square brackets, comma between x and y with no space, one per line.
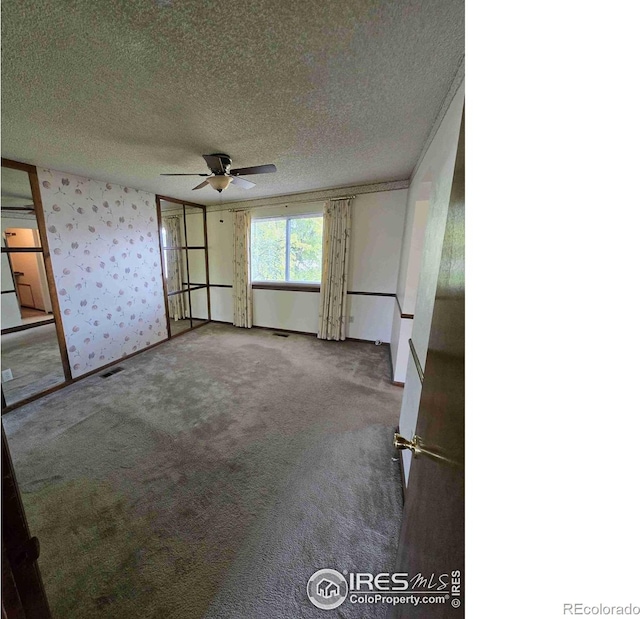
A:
[212,477]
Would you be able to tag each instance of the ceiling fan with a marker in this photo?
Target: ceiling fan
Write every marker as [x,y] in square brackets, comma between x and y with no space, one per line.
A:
[222,175]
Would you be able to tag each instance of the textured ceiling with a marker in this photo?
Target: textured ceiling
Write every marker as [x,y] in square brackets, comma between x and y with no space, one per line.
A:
[335,93]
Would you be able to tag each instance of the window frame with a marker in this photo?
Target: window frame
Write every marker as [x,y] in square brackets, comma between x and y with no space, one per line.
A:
[286,284]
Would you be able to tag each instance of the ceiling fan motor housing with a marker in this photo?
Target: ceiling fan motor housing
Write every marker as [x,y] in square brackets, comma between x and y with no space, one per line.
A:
[220,165]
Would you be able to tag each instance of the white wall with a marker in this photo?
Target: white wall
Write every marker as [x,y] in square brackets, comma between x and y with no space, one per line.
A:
[371,317]
[296,311]
[377,223]
[410,404]
[195,229]
[220,235]
[400,333]
[221,304]
[435,173]
[436,169]
[412,244]
[431,182]
[376,239]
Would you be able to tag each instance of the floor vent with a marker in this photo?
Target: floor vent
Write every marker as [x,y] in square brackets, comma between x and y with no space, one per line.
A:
[282,334]
[111,372]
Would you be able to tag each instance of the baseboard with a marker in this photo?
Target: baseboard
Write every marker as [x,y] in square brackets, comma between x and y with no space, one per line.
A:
[356,339]
[397,383]
[314,334]
[285,330]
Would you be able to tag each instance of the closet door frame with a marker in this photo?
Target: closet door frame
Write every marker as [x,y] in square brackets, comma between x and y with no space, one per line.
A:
[184,204]
[32,171]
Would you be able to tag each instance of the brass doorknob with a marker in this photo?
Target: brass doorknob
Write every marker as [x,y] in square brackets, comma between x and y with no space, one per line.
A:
[415,444]
[419,449]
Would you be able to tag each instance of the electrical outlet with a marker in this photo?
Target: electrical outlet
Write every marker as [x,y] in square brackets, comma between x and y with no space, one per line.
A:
[7,375]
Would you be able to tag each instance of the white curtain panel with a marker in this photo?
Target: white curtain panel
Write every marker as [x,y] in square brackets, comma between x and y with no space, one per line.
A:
[173,226]
[242,298]
[335,265]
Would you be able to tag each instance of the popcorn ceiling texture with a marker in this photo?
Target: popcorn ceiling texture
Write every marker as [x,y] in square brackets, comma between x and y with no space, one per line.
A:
[106,262]
[335,93]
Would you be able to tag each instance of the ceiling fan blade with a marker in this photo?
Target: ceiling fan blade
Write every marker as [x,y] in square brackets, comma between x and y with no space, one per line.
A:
[184,175]
[201,185]
[242,182]
[256,169]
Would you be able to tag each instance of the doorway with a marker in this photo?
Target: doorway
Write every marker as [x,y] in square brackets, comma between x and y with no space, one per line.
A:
[27,271]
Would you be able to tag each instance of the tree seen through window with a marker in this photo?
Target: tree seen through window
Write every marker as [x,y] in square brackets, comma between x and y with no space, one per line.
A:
[287,249]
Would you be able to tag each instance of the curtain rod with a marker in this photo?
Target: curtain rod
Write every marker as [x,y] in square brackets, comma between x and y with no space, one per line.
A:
[293,202]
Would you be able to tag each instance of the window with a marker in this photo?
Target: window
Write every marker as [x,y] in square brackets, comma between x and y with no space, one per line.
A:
[287,249]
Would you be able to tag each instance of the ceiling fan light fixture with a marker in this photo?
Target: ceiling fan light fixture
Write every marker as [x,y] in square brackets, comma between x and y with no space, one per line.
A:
[222,175]
[219,183]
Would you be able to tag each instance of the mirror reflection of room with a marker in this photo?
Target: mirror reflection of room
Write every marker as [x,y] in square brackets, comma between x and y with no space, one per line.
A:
[24,281]
[185,260]
[31,360]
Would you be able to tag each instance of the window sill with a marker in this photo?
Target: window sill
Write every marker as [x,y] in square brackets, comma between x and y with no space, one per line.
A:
[289,286]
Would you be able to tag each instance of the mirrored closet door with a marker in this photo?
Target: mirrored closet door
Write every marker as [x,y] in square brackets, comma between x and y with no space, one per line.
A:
[183,236]
[34,357]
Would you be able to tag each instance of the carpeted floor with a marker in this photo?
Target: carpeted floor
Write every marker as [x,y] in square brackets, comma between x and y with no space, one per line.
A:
[212,477]
[34,358]
[179,326]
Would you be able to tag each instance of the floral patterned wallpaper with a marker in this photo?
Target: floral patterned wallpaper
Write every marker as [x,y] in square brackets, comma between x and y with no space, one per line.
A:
[106,262]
